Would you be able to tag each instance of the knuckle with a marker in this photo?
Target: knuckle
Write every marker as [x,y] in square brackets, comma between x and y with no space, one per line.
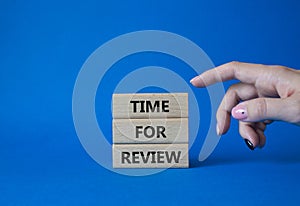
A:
[230,97]
[261,108]
[231,93]
[231,90]
[295,111]
[280,70]
[234,87]
[279,67]
[234,64]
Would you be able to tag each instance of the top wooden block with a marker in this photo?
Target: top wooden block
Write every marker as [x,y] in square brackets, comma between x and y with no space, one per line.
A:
[150,105]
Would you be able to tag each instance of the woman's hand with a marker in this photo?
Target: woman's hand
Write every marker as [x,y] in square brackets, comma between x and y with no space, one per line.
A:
[265,93]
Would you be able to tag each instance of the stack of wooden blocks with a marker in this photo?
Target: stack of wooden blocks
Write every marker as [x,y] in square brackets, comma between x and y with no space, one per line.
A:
[150,130]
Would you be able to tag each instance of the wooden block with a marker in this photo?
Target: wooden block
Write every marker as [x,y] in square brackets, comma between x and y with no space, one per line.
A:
[150,156]
[162,131]
[150,105]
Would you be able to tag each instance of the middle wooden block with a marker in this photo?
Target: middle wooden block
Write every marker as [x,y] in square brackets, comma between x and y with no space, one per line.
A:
[150,131]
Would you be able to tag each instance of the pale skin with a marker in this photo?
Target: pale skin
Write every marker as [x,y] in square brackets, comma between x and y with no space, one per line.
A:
[264,94]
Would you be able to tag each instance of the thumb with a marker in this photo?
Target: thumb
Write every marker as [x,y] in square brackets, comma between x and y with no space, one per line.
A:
[259,109]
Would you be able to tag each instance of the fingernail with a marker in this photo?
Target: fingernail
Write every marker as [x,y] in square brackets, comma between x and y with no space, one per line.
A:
[191,81]
[239,112]
[218,130]
[249,144]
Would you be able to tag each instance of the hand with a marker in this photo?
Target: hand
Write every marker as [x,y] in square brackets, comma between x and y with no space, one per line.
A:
[265,93]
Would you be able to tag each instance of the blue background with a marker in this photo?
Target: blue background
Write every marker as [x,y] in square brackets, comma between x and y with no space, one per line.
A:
[44,45]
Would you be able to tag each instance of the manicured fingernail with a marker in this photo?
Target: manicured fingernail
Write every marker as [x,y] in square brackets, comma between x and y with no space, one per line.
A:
[249,144]
[239,112]
[218,130]
[193,79]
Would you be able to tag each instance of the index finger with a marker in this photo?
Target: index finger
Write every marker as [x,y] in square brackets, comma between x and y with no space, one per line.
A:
[245,72]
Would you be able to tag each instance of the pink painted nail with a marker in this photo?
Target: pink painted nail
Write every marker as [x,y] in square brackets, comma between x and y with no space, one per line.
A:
[239,112]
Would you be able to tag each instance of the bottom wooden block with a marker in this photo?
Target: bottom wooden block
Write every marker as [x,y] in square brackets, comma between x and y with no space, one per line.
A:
[150,156]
